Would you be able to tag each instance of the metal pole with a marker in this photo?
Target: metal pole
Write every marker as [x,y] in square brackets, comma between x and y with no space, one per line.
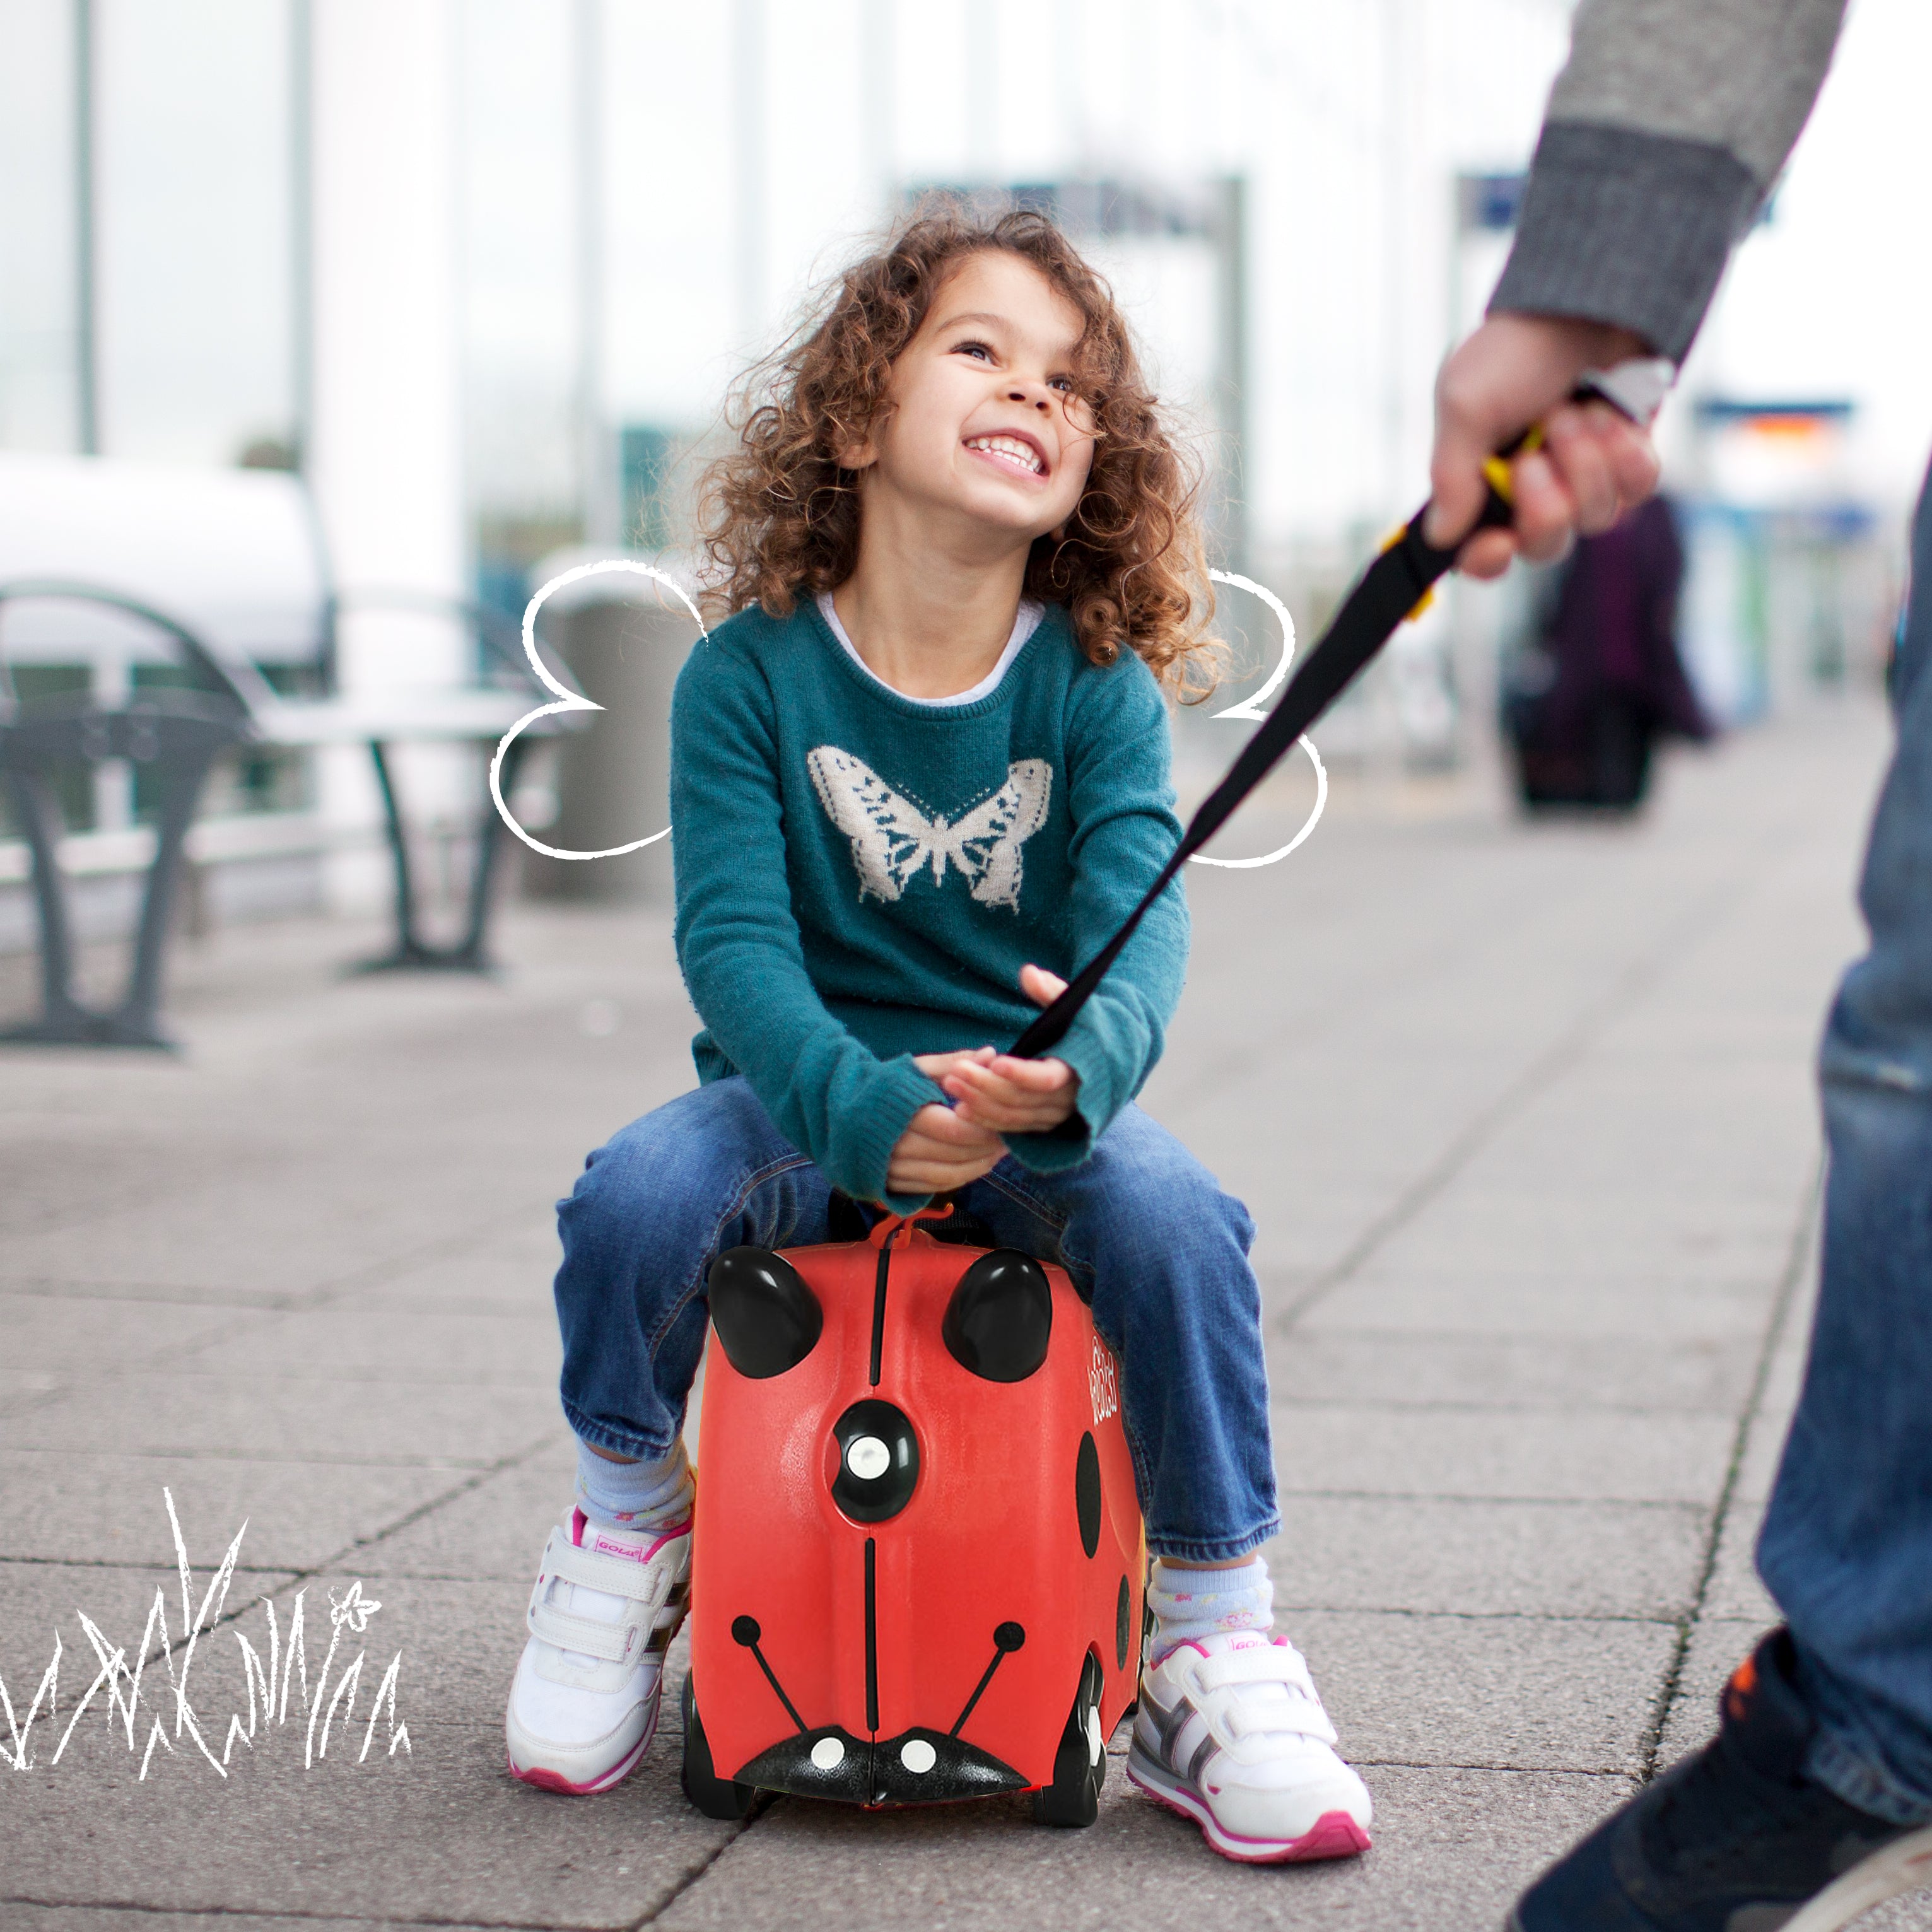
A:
[602,510]
[301,227]
[1231,385]
[1073,66]
[87,370]
[878,60]
[983,91]
[749,50]
[1394,257]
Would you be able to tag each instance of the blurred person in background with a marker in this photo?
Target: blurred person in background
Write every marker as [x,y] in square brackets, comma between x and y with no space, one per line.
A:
[1584,707]
[1664,134]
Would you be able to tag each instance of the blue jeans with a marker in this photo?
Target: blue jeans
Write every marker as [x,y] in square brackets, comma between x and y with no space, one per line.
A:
[1140,1223]
[1847,1547]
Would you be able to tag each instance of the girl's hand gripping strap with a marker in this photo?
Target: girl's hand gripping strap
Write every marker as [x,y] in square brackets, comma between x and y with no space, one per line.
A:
[1388,592]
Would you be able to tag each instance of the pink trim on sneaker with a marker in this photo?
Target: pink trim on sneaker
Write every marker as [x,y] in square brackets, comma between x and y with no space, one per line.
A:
[1333,1835]
[602,1543]
[555,1780]
[670,1535]
[1186,1643]
[1255,1640]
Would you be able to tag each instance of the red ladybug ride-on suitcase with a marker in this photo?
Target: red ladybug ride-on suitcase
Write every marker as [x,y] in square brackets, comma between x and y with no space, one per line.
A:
[918,1569]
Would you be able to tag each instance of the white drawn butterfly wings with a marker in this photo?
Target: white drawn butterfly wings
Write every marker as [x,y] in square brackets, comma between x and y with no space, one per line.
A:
[891,838]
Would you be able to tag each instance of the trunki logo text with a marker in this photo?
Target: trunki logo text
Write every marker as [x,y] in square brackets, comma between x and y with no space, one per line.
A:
[1103,1383]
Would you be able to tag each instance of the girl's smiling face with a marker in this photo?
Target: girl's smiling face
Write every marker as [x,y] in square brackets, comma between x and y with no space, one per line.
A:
[983,425]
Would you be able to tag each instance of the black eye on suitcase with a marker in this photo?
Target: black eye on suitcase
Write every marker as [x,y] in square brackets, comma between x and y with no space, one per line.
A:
[878,1461]
[767,1320]
[1000,1317]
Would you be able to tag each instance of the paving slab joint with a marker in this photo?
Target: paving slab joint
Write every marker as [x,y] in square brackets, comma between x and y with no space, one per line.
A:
[1803,1241]
[761,1804]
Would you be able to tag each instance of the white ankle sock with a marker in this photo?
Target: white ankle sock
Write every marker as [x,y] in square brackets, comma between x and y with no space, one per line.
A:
[1186,1603]
[637,1497]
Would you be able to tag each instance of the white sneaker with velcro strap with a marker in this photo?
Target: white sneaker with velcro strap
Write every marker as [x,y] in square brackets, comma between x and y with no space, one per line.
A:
[1231,1733]
[583,1704]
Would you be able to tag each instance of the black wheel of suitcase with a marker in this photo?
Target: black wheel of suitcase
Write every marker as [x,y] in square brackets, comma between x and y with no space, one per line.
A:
[716,1797]
[1080,1764]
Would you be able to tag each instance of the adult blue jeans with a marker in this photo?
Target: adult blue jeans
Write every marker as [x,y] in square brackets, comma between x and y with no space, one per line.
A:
[1140,1224]
[1847,1547]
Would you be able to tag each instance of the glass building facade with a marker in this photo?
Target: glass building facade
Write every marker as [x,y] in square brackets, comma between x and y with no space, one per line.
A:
[150,269]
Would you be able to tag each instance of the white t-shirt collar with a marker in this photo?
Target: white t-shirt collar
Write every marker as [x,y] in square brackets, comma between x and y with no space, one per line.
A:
[1026,621]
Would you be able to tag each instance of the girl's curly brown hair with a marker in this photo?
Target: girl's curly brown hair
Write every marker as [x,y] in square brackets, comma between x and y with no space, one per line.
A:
[778,517]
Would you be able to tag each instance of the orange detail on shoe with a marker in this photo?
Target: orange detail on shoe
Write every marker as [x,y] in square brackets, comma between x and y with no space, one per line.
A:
[1737,1692]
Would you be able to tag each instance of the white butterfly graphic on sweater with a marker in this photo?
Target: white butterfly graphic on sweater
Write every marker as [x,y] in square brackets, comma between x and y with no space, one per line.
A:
[891,838]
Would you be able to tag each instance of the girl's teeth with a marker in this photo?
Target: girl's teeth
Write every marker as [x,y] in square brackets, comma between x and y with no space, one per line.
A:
[1017,454]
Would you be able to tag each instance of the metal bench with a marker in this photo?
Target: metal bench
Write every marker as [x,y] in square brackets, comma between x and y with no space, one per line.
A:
[213,574]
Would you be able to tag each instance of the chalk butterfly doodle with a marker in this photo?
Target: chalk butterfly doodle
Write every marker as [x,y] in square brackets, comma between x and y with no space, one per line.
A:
[891,838]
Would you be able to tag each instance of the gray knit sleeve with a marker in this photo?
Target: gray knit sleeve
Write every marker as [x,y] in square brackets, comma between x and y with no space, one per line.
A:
[1664,133]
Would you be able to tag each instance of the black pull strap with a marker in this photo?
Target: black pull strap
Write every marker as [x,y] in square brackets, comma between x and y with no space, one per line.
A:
[1386,593]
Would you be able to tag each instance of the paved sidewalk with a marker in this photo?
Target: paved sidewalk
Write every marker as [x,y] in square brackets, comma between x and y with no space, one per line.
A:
[1524,1115]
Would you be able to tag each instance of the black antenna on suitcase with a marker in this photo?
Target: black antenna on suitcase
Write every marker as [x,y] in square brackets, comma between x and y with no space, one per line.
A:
[1007,1637]
[746,1630]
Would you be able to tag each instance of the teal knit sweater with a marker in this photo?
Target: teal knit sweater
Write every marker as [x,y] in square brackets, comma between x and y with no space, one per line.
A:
[860,878]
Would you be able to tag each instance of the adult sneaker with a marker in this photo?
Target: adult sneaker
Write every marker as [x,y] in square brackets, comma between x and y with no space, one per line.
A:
[1231,1733]
[583,1704]
[1734,1837]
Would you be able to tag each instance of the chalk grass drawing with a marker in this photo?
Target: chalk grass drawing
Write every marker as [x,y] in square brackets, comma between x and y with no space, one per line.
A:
[1248,708]
[269,1685]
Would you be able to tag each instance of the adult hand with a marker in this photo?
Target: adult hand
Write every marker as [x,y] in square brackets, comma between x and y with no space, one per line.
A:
[1595,464]
[1015,1096]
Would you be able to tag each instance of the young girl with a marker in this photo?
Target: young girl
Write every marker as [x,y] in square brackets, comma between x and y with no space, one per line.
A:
[922,773]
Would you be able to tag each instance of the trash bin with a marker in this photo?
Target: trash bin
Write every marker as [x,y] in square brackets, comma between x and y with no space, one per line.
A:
[624,640]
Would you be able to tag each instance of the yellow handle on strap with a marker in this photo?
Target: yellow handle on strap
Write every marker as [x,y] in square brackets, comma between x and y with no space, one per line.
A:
[1496,469]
